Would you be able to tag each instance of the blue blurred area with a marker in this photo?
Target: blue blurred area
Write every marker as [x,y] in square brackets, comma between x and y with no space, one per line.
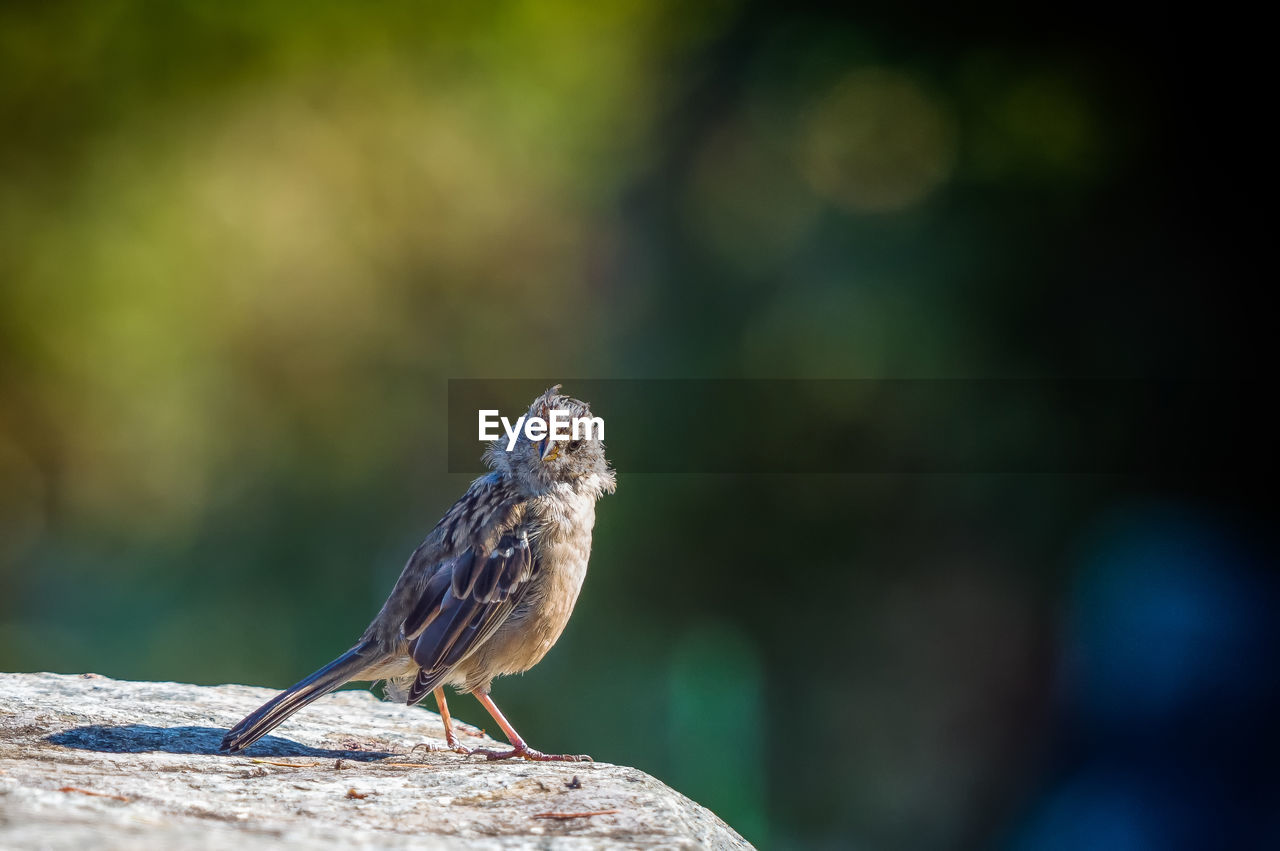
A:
[1167,724]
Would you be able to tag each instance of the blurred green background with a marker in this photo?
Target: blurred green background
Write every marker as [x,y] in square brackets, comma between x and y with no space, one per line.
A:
[242,249]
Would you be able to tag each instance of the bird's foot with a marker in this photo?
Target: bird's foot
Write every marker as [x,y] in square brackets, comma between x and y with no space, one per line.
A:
[450,747]
[526,752]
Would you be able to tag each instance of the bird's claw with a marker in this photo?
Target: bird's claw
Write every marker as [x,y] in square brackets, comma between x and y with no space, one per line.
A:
[451,747]
[530,754]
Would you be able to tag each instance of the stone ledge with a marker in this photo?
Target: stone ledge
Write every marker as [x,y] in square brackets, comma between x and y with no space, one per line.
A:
[87,761]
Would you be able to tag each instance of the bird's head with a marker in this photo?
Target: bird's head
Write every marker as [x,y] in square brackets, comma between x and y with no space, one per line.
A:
[576,459]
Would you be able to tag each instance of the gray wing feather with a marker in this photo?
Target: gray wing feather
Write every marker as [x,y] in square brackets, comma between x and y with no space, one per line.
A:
[456,616]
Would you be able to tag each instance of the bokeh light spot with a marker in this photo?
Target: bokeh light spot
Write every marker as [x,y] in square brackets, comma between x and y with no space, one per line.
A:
[717,723]
[746,201]
[877,143]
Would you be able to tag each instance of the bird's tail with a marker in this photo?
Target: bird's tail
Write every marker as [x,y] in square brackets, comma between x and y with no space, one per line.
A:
[266,717]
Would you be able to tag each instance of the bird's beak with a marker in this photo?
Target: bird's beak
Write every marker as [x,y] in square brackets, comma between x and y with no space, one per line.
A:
[548,449]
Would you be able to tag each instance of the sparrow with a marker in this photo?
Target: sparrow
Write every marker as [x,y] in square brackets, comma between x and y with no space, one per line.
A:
[487,593]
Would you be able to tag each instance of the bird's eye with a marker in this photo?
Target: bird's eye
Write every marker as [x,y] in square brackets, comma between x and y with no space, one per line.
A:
[574,444]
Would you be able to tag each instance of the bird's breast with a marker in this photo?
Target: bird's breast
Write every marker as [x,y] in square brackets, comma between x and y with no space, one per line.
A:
[562,548]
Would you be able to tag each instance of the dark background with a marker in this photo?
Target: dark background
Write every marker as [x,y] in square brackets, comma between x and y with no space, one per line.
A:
[242,251]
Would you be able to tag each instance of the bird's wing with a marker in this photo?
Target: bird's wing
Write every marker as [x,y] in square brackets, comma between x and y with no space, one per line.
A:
[463,603]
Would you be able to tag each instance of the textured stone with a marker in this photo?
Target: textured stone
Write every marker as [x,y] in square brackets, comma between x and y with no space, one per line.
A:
[147,754]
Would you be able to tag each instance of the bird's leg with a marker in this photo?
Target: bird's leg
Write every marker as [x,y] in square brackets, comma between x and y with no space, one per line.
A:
[450,739]
[518,746]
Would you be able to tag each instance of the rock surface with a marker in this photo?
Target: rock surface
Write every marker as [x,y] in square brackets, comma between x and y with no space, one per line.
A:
[87,761]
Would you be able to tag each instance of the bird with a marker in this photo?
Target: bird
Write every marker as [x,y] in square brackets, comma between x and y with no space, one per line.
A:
[487,593]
